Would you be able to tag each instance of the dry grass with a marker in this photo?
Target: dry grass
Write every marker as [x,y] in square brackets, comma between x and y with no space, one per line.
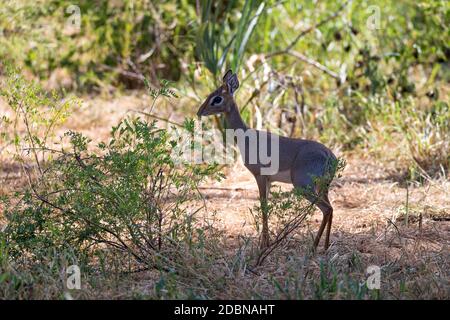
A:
[369,228]
[375,223]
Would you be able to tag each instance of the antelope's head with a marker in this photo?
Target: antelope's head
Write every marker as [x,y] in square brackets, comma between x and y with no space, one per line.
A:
[220,100]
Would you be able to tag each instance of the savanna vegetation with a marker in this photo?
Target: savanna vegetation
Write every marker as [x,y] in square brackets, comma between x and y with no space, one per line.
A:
[91,93]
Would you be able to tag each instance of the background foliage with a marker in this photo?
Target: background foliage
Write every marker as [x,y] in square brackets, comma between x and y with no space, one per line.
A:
[359,81]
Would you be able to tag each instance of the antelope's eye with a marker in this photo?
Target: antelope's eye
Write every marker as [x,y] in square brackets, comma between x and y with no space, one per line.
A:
[217,100]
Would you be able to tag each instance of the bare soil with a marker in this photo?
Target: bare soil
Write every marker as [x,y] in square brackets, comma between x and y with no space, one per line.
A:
[378,218]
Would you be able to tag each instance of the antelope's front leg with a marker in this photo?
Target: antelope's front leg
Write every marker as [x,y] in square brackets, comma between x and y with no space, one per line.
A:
[264,186]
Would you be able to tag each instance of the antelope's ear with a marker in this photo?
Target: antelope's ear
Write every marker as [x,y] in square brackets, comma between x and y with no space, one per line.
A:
[232,84]
[227,75]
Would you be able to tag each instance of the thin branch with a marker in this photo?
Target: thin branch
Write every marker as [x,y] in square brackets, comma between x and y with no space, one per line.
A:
[288,50]
[313,63]
[156,117]
[30,137]
[312,28]
[125,73]
[290,226]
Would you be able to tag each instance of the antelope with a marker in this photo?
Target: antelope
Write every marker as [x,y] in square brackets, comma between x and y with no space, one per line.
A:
[299,160]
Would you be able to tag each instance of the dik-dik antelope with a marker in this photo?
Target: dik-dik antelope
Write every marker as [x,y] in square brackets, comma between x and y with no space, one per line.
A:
[300,161]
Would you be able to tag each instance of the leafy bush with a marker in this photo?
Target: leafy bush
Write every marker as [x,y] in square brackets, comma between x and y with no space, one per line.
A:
[126,196]
[34,116]
[130,195]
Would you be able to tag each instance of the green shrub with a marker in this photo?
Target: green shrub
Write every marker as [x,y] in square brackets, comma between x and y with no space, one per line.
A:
[34,116]
[126,195]
[130,195]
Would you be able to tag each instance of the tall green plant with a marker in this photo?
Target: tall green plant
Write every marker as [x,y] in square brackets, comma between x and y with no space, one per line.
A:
[215,43]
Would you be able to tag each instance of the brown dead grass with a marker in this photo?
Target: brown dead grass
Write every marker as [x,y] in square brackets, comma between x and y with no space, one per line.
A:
[369,228]
[369,223]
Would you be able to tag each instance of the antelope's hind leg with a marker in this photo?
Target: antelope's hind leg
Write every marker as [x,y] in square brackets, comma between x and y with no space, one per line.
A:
[327,211]
[302,180]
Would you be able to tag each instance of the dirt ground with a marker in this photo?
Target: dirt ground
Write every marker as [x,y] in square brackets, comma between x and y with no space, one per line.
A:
[375,215]
[369,219]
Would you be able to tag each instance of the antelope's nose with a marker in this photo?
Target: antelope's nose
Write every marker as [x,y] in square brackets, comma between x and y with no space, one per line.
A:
[201,110]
